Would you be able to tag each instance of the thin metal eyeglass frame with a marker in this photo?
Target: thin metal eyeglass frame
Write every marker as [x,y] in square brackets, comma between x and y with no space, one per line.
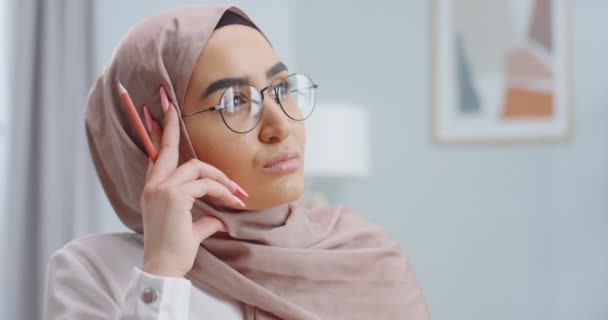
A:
[219,107]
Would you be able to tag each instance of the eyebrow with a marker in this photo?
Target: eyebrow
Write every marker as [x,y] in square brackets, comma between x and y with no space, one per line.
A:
[229,82]
[276,69]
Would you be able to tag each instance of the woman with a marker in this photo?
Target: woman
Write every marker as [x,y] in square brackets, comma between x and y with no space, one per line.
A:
[218,234]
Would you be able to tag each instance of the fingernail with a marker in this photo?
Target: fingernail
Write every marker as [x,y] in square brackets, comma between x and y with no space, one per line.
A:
[240,190]
[164,100]
[239,202]
[148,119]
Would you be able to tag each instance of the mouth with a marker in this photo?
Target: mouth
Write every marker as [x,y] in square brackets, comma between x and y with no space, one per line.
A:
[285,161]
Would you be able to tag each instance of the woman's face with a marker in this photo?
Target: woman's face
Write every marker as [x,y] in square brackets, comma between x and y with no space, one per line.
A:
[240,52]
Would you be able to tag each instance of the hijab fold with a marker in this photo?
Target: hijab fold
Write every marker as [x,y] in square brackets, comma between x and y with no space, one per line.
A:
[285,262]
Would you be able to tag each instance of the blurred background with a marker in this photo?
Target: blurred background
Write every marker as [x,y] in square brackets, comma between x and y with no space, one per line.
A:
[494,231]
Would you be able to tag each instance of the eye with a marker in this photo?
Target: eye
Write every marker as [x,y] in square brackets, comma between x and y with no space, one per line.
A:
[240,99]
[284,87]
[235,102]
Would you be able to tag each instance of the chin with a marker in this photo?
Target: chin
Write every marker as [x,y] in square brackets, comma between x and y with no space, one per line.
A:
[275,194]
[287,191]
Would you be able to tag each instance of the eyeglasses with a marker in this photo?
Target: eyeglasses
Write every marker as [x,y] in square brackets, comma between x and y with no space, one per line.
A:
[241,106]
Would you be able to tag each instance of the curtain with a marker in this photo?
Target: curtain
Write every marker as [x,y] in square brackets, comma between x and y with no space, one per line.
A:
[53,192]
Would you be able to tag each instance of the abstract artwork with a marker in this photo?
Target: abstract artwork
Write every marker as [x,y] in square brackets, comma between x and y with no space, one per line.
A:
[502,71]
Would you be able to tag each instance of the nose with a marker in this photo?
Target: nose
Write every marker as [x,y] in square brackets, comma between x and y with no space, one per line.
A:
[275,126]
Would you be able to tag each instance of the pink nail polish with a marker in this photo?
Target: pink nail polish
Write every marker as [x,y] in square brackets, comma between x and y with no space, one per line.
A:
[148,118]
[240,190]
[164,100]
[239,202]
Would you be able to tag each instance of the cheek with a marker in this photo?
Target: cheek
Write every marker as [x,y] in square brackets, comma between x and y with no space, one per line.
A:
[300,134]
[220,148]
[236,153]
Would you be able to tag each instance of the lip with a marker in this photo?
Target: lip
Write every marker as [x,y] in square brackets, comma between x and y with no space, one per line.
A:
[283,162]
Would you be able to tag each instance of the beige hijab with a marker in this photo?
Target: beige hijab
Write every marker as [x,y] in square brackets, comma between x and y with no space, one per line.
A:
[285,262]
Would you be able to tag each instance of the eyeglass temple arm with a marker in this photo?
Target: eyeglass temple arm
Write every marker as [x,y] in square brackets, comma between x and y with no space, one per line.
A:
[214,108]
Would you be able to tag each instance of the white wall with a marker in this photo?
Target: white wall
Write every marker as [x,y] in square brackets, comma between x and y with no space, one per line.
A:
[512,232]
[115,17]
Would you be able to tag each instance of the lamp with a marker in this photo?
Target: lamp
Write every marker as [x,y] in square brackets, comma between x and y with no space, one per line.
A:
[337,147]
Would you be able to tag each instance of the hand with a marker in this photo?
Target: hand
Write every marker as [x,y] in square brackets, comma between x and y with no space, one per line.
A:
[171,238]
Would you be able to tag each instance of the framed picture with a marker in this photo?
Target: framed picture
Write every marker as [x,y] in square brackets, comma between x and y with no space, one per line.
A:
[502,71]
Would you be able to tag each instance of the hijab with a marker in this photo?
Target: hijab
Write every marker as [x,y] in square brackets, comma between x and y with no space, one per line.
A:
[284,262]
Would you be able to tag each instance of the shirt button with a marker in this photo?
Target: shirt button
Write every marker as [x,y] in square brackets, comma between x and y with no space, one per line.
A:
[149,295]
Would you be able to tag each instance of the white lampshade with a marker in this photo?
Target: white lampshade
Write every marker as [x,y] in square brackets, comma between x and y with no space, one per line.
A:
[337,141]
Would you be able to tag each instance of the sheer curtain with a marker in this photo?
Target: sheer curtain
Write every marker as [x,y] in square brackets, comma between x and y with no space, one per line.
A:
[53,193]
[5,58]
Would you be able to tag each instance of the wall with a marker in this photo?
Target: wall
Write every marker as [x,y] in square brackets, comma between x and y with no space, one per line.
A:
[505,232]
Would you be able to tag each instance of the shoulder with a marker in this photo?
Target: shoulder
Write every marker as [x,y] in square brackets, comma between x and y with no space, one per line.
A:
[100,246]
[101,240]
[106,257]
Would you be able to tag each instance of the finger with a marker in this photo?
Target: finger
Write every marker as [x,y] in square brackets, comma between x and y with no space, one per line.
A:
[155,135]
[169,143]
[168,155]
[196,169]
[206,226]
[208,187]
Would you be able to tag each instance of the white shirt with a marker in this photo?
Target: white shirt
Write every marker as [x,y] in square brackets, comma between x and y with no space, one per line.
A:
[99,277]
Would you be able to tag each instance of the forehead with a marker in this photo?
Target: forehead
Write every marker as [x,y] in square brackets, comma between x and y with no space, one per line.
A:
[235,50]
